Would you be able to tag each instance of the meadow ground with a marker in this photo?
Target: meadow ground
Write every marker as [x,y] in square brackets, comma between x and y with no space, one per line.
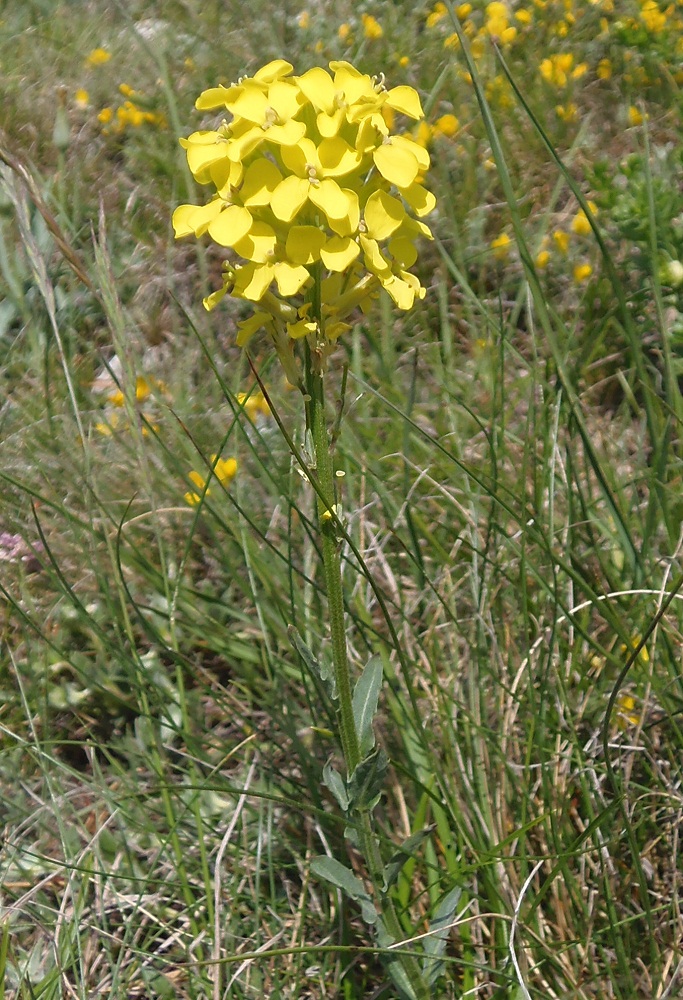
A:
[511,450]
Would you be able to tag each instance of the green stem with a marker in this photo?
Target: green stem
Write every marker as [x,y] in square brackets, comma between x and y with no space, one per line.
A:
[317,426]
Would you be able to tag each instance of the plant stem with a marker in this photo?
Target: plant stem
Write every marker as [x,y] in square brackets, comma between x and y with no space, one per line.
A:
[317,426]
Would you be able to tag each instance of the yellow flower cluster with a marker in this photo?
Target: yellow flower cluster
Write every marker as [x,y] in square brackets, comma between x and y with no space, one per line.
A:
[310,186]
[113,420]
[224,471]
[559,69]
[128,115]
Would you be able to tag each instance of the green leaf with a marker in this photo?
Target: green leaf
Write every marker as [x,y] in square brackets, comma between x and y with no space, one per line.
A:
[406,850]
[435,942]
[333,780]
[367,781]
[322,670]
[343,878]
[365,697]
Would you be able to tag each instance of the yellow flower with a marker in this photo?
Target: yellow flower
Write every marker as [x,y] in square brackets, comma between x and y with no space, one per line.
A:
[105,116]
[635,116]
[626,711]
[437,14]
[604,70]
[308,177]
[446,125]
[224,471]
[343,31]
[404,61]
[582,272]
[98,57]
[304,20]
[580,224]
[81,98]
[126,90]
[523,16]
[652,17]
[561,240]
[254,404]
[567,112]
[501,246]
[497,23]
[372,29]
[542,259]
[556,69]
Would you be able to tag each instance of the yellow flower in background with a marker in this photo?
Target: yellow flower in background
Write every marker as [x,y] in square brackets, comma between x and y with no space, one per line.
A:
[604,70]
[635,116]
[223,469]
[105,116]
[501,246]
[437,14]
[567,112]
[446,125]
[343,32]
[580,224]
[582,273]
[652,17]
[143,389]
[542,259]
[98,57]
[304,20]
[310,180]
[497,23]
[372,29]
[254,404]
[81,98]
[561,240]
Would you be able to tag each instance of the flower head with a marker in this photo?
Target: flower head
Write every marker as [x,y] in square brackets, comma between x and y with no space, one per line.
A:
[310,183]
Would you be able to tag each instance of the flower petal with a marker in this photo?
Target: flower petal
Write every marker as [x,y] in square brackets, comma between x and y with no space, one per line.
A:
[274,70]
[252,280]
[339,253]
[398,166]
[290,279]
[288,197]
[405,100]
[317,87]
[329,198]
[230,225]
[304,244]
[337,158]
[260,180]
[420,200]
[383,215]
[259,243]
[403,251]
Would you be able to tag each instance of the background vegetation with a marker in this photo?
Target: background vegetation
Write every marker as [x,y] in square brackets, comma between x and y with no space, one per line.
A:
[512,452]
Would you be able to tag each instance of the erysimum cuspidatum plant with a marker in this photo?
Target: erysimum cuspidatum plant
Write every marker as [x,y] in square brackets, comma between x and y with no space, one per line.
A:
[310,186]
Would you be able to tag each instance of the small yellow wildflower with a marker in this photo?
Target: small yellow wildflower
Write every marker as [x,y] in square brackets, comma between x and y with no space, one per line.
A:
[437,14]
[126,90]
[343,32]
[497,23]
[501,246]
[582,272]
[561,240]
[224,471]
[254,404]
[652,17]
[98,57]
[542,259]
[523,16]
[143,389]
[451,42]
[423,134]
[81,98]
[372,29]
[626,711]
[446,125]
[304,20]
[635,116]
[463,11]
[567,112]
[404,61]
[580,224]
[105,116]
[604,70]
